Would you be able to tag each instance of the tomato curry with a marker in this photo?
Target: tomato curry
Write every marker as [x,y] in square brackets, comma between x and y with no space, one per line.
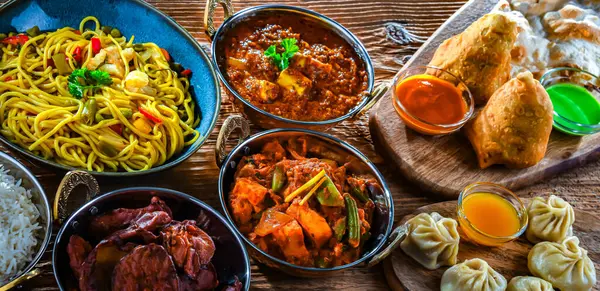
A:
[320,79]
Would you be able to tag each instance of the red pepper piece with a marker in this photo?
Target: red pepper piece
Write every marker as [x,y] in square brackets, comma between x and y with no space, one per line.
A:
[149,115]
[96,45]
[77,54]
[20,39]
[9,78]
[118,128]
[166,54]
[186,72]
[77,32]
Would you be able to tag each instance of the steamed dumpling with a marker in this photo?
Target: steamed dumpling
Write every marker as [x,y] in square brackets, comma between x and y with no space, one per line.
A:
[527,283]
[472,275]
[432,240]
[565,265]
[549,220]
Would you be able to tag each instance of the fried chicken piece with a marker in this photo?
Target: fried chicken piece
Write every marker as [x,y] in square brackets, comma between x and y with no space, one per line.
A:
[480,56]
[96,270]
[143,227]
[119,218]
[147,267]
[78,249]
[205,279]
[514,127]
[190,247]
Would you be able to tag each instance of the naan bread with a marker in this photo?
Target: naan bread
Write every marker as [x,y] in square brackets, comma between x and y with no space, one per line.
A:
[514,127]
[432,240]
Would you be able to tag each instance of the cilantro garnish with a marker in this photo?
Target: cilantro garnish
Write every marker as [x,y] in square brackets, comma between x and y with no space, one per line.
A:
[83,79]
[282,60]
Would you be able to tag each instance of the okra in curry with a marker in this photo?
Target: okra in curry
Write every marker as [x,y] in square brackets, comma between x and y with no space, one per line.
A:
[302,203]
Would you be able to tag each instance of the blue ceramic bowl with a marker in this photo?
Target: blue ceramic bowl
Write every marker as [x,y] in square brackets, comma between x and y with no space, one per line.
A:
[230,259]
[147,24]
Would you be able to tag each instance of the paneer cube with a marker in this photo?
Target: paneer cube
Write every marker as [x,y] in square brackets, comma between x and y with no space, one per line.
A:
[314,224]
[290,239]
[294,81]
[249,189]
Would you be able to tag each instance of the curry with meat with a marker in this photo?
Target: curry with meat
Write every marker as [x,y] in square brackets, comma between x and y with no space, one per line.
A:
[144,249]
[321,78]
[296,201]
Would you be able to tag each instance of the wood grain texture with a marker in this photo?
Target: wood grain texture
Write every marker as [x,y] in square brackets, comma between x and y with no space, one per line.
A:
[446,164]
[198,175]
[510,259]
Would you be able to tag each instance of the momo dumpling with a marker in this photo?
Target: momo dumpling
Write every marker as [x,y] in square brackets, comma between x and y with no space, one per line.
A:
[472,275]
[549,220]
[514,127]
[565,265]
[528,283]
[432,240]
[479,56]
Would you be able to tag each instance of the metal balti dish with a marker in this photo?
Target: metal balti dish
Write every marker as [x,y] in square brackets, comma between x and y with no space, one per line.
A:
[384,210]
[38,196]
[259,116]
[230,259]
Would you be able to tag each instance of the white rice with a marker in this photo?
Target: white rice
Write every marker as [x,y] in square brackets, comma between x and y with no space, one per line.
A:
[19,223]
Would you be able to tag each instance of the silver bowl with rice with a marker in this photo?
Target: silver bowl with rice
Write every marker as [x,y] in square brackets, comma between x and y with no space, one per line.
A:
[25,223]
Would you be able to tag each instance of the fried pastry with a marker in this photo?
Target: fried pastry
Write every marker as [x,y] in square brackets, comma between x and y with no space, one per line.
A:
[514,127]
[480,56]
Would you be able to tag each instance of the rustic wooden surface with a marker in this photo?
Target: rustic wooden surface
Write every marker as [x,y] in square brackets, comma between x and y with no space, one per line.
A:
[446,164]
[509,260]
[378,24]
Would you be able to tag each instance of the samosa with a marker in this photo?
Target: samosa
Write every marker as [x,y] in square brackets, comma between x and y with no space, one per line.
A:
[514,127]
[479,56]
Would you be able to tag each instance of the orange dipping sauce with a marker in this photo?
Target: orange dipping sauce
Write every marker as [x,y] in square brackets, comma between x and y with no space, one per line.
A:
[492,215]
[433,101]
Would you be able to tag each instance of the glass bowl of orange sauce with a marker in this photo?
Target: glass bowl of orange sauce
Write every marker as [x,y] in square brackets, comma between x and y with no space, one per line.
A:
[431,101]
[490,214]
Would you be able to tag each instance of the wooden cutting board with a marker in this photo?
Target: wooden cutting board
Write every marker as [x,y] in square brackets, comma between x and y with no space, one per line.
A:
[404,273]
[444,165]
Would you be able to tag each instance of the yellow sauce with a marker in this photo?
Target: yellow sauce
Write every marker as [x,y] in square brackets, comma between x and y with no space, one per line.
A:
[490,214]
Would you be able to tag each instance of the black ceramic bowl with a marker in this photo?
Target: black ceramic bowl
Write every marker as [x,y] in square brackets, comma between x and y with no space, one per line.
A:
[230,259]
[384,210]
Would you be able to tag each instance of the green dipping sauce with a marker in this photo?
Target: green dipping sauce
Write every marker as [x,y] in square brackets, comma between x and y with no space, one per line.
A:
[574,103]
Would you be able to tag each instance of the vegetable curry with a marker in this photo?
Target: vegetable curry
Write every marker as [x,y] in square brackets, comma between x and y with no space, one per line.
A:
[296,201]
[294,69]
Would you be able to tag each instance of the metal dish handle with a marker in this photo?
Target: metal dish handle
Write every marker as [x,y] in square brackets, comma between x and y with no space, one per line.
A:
[373,97]
[230,124]
[71,180]
[209,15]
[25,277]
[397,237]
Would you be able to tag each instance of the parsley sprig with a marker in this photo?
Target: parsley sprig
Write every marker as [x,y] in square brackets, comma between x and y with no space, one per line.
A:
[83,79]
[282,60]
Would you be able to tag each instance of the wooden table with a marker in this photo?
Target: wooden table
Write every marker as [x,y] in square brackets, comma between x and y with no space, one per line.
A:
[391,30]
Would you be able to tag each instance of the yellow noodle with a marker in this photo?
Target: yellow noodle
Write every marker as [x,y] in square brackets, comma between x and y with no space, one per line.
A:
[38,113]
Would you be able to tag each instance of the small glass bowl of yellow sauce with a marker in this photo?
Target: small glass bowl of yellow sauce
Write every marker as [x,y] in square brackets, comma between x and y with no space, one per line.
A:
[490,214]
